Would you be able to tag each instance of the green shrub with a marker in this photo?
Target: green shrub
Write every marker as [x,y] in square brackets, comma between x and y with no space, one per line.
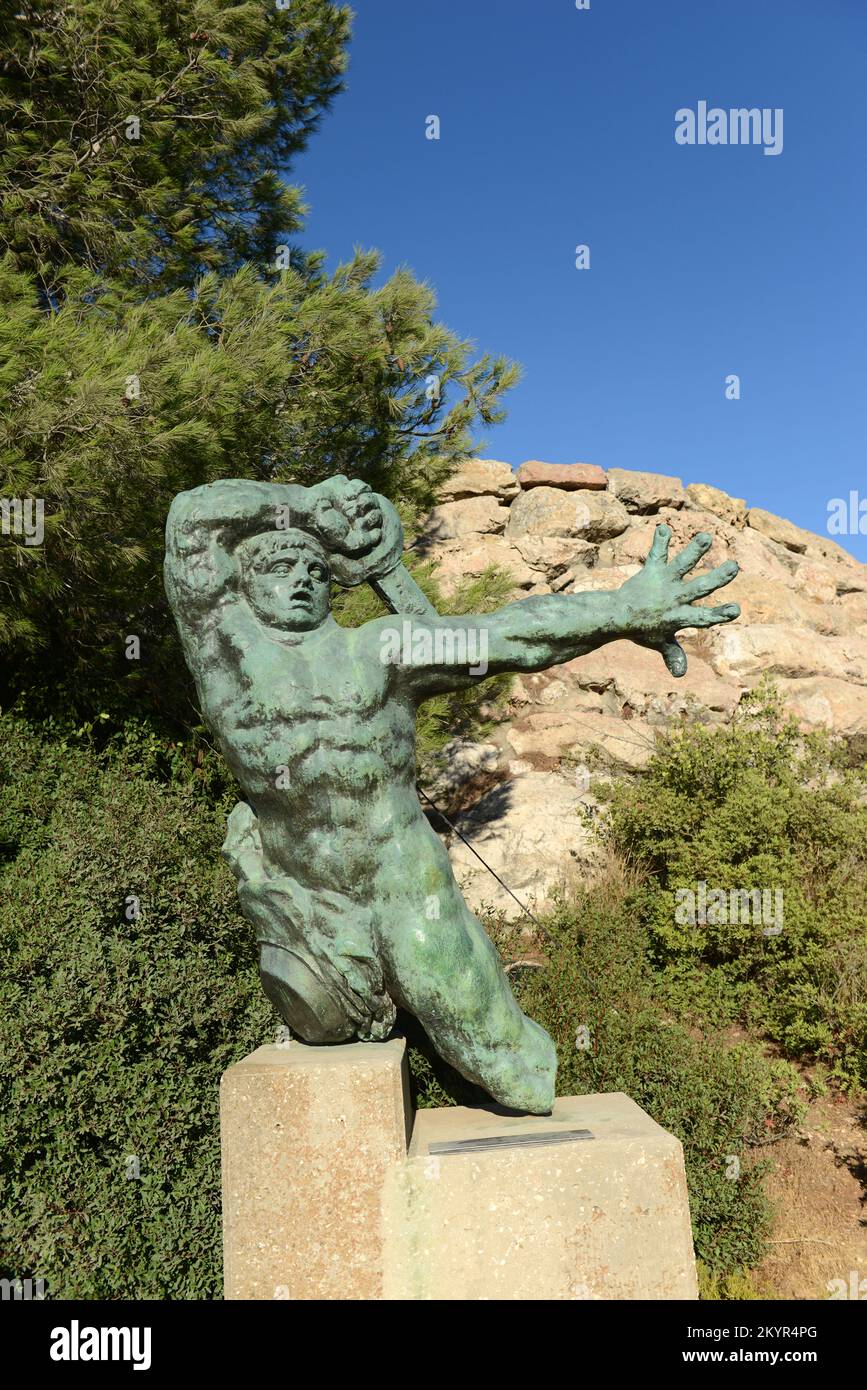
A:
[115,1031]
[738,1287]
[757,805]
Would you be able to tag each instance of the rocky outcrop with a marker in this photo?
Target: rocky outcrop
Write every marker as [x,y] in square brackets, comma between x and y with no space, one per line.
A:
[645,492]
[570,528]
[513,827]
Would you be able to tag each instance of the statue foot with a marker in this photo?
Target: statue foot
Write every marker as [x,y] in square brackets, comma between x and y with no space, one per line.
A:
[300,1000]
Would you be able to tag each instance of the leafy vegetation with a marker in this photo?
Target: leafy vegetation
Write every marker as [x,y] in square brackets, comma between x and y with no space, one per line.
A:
[757,805]
[130,982]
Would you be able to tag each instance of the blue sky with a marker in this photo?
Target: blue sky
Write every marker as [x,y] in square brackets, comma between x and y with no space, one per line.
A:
[557,128]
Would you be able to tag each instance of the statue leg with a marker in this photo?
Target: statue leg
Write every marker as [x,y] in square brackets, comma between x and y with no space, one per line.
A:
[318,962]
[448,974]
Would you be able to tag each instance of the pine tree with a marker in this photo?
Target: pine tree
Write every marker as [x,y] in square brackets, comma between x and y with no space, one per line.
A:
[144,139]
[161,329]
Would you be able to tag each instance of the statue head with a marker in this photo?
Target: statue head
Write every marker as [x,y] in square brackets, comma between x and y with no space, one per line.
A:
[285,577]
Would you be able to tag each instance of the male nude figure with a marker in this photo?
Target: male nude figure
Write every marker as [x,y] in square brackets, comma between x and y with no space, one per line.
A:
[351,892]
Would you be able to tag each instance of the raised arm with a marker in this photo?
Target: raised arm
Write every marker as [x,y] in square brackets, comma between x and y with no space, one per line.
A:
[449,653]
[206,524]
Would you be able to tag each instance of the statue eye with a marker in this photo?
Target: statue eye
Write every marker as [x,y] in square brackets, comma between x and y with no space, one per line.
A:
[318,572]
[280,568]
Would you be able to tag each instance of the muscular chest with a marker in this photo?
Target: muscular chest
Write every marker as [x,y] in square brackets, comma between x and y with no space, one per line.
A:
[315,716]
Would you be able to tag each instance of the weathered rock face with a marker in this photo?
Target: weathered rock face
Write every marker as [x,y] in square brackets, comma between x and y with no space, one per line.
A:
[645,492]
[572,528]
[567,475]
[482,478]
[513,827]
[551,511]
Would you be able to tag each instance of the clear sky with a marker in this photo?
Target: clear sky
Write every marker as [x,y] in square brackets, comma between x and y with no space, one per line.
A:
[557,129]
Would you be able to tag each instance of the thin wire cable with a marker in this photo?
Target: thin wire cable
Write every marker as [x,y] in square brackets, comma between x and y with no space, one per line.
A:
[453,827]
[644,742]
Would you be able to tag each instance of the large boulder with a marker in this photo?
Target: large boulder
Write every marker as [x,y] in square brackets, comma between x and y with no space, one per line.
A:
[776,528]
[553,738]
[644,686]
[478,478]
[469,557]
[553,556]
[746,653]
[816,580]
[604,577]
[796,546]
[853,612]
[469,515]
[633,544]
[645,492]
[534,473]
[705,498]
[758,558]
[825,702]
[770,601]
[851,574]
[549,511]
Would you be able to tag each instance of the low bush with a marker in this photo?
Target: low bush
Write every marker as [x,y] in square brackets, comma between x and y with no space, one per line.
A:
[756,806]
[130,983]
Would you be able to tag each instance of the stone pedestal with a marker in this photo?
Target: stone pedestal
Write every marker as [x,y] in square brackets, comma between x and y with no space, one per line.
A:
[326,1195]
[589,1202]
[307,1136]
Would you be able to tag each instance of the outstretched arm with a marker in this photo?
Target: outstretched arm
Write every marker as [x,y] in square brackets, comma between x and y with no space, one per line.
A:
[438,654]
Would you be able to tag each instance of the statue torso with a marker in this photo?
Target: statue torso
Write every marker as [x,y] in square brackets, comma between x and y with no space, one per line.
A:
[322,743]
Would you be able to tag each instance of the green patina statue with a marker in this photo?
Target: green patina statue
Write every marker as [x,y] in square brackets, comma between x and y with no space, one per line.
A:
[351,892]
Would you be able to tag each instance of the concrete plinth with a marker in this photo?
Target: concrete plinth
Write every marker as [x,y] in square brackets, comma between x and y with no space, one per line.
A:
[542,1214]
[307,1135]
[326,1197]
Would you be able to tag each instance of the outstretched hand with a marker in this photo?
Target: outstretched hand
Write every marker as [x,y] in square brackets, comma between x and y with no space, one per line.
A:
[659,599]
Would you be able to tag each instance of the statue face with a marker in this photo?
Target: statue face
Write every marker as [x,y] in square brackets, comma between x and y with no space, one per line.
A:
[286,580]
